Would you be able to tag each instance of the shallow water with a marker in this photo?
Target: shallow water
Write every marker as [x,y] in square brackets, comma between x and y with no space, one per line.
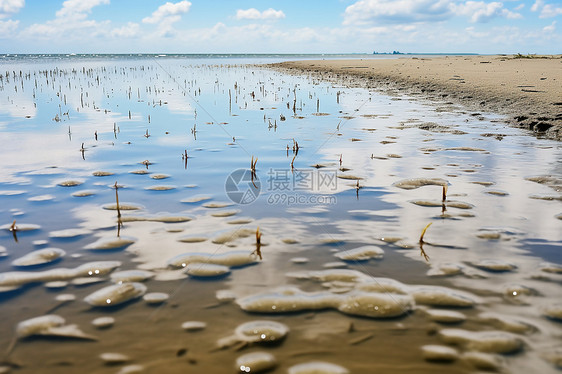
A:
[97,123]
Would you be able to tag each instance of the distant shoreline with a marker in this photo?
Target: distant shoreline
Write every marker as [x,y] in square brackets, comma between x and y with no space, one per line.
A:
[10,58]
[527,89]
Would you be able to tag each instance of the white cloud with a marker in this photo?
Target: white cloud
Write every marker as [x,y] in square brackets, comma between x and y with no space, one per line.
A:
[550,28]
[397,11]
[471,31]
[169,12]
[165,16]
[7,28]
[78,29]
[480,11]
[70,22]
[10,7]
[255,14]
[167,30]
[549,11]
[71,8]
[510,15]
[537,5]
[266,37]
[257,37]
[130,30]
[365,12]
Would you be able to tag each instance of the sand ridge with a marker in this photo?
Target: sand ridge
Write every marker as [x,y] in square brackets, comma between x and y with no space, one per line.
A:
[527,89]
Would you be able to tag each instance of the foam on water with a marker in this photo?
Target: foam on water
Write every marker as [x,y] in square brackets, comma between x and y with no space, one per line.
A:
[483,341]
[317,367]
[230,259]
[255,362]
[116,294]
[39,257]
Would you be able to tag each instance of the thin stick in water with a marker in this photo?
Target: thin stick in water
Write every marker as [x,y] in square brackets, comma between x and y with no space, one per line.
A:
[117,200]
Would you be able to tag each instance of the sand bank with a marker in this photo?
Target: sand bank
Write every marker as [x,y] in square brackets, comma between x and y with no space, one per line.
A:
[527,90]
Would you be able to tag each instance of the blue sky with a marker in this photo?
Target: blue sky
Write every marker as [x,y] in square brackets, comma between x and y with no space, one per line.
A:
[274,26]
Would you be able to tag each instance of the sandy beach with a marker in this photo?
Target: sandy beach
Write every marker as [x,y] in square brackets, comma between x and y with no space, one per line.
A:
[527,90]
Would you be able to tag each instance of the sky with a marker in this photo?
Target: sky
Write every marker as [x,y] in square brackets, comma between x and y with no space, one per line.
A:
[275,26]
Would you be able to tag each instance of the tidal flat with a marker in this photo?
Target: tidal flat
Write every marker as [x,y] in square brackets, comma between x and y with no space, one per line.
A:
[216,215]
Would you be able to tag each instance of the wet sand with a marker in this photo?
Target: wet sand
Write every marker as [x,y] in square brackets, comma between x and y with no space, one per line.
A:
[527,90]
